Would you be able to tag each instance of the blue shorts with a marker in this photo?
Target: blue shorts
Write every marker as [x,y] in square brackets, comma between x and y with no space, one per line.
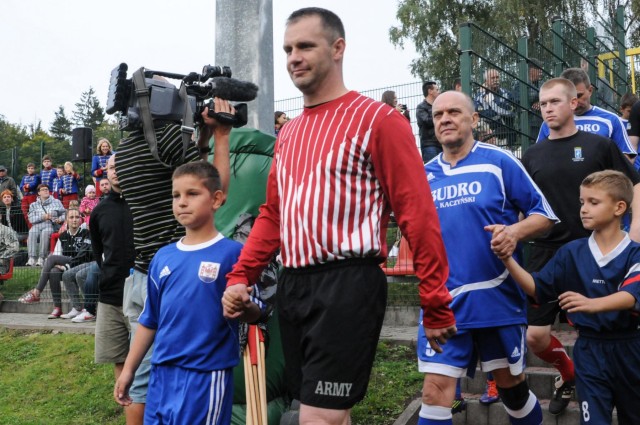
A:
[607,376]
[180,396]
[497,348]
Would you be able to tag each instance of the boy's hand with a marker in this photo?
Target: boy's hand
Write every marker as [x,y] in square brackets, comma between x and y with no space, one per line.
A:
[573,302]
[121,389]
[503,240]
[235,300]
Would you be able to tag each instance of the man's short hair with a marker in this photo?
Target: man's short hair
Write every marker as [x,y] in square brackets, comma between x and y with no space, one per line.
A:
[40,186]
[330,21]
[567,85]
[628,100]
[614,183]
[202,170]
[46,158]
[487,71]
[534,63]
[31,164]
[576,76]
[426,86]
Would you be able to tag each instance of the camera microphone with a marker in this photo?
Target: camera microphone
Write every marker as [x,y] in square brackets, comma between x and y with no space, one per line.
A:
[231,89]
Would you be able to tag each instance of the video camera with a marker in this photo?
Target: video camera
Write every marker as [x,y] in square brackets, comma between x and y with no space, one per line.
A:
[169,104]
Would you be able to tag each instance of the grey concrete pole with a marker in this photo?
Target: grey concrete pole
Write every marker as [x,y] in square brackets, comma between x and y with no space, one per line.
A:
[244,41]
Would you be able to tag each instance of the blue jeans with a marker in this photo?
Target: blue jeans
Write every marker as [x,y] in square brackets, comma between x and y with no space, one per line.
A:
[89,279]
[429,152]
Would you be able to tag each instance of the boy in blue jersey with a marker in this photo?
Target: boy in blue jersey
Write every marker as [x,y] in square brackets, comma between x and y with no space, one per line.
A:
[597,282]
[191,377]
[475,184]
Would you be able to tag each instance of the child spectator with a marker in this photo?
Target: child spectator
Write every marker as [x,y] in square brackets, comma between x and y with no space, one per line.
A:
[69,186]
[73,249]
[56,184]
[46,215]
[28,186]
[597,282]
[89,201]
[99,162]
[189,350]
[48,173]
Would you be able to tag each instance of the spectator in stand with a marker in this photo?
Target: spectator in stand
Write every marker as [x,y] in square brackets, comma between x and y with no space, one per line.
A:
[429,145]
[73,249]
[389,97]
[48,173]
[626,103]
[7,182]
[9,247]
[57,182]
[496,105]
[28,186]
[457,84]
[105,188]
[12,215]
[89,279]
[46,215]
[280,120]
[99,163]
[89,201]
[69,186]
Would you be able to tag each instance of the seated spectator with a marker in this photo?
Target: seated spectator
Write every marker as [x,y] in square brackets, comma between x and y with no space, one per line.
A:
[496,105]
[72,250]
[9,247]
[46,215]
[69,186]
[89,201]
[12,216]
[89,279]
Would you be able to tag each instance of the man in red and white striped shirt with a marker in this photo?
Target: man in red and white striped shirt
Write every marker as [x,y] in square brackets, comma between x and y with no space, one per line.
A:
[339,170]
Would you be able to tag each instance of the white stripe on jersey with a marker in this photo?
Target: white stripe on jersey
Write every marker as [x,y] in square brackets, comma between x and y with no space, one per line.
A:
[217,392]
[479,285]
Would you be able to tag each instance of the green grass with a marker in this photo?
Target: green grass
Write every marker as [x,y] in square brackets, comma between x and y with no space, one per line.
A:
[394,382]
[50,378]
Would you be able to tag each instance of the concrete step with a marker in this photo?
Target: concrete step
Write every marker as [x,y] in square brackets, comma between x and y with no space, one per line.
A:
[494,414]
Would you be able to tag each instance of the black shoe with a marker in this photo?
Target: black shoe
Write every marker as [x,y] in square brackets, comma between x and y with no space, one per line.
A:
[458,405]
[561,396]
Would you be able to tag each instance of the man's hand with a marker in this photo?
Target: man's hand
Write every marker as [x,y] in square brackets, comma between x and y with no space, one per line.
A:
[235,300]
[439,337]
[219,106]
[503,240]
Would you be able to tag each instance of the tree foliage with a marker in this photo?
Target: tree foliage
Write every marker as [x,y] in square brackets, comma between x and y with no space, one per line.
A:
[61,126]
[88,112]
[433,26]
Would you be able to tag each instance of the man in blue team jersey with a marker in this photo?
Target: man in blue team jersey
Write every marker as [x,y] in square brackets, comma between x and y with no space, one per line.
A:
[484,187]
[593,119]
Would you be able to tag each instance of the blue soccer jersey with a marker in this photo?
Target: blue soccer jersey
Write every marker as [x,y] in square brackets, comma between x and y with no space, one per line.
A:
[599,121]
[185,288]
[579,266]
[488,186]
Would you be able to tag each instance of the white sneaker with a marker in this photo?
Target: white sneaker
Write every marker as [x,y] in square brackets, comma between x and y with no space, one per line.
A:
[85,316]
[70,315]
[31,262]
[40,262]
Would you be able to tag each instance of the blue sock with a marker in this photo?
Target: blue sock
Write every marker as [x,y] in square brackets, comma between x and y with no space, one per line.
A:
[458,390]
[435,415]
[530,414]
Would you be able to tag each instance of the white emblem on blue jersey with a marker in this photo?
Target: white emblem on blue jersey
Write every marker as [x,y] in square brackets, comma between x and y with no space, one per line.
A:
[516,353]
[577,154]
[429,352]
[430,177]
[208,271]
[165,272]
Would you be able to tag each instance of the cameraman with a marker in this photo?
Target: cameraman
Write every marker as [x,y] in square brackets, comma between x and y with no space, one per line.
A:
[389,97]
[146,186]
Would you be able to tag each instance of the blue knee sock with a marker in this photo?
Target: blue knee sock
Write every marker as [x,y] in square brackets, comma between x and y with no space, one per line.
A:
[529,414]
[435,415]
